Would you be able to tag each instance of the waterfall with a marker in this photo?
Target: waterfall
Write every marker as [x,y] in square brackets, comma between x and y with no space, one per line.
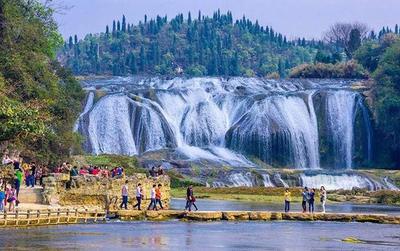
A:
[340,113]
[334,182]
[368,125]
[228,121]
[240,180]
[267,180]
[110,126]
[88,106]
[279,126]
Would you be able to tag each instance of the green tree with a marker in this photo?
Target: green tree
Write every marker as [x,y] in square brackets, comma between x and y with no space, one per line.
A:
[354,41]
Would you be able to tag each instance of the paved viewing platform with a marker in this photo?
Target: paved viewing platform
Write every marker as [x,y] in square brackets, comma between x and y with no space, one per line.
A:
[75,216]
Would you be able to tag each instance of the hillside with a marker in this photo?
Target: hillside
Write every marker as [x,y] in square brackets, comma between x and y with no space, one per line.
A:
[199,46]
[39,99]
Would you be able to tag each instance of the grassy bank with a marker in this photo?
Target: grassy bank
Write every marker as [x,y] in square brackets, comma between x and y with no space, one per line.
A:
[275,195]
[255,194]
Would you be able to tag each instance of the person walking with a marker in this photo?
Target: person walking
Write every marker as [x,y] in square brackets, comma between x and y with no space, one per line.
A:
[304,194]
[2,196]
[287,200]
[323,198]
[311,195]
[158,196]
[139,196]
[152,205]
[19,176]
[189,195]
[124,192]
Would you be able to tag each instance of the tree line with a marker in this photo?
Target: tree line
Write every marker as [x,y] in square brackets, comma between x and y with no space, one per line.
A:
[202,45]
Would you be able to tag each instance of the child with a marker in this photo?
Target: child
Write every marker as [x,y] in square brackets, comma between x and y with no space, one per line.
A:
[11,197]
[287,200]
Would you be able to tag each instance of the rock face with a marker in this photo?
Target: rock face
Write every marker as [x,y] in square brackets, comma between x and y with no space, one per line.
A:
[101,192]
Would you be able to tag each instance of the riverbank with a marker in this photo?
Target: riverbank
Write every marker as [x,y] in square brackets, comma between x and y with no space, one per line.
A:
[275,195]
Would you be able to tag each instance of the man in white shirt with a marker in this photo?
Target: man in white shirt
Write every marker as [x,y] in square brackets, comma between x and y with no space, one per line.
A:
[152,205]
[139,196]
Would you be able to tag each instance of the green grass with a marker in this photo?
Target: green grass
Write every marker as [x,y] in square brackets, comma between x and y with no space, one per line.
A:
[255,194]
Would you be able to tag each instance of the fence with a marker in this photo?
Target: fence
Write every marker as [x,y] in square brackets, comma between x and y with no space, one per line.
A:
[50,217]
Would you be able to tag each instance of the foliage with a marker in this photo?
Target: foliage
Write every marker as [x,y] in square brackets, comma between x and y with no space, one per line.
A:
[350,69]
[39,100]
[203,46]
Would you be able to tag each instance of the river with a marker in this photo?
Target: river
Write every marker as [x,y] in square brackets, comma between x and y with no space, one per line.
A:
[177,235]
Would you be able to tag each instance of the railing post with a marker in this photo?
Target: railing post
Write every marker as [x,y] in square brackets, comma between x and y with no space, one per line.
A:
[16,217]
[86,215]
[49,216]
[76,215]
[68,215]
[58,215]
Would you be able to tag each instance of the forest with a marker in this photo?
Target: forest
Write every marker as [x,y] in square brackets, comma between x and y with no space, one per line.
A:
[194,46]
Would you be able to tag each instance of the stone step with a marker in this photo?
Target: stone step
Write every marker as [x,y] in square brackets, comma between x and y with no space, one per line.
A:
[30,195]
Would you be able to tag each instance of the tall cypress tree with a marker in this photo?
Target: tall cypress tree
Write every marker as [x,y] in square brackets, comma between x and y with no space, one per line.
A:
[123,23]
[396,29]
[76,39]
[189,18]
[114,27]
[107,31]
[70,42]
[118,26]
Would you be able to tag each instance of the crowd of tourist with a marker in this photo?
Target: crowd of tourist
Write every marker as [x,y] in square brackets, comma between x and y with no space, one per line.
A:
[308,199]
[31,175]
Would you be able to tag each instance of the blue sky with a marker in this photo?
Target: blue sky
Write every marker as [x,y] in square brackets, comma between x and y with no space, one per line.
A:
[294,18]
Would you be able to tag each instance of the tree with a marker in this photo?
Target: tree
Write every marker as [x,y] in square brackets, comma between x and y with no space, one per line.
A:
[123,23]
[114,29]
[339,34]
[70,42]
[354,41]
[75,39]
[396,29]
[142,64]
[107,31]
[118,26]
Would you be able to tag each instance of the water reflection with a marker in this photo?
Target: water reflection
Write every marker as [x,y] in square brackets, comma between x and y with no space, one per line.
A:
[177,235]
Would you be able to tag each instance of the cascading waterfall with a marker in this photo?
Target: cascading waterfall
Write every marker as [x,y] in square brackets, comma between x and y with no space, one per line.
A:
[333,182]
[221,120]
[340,112]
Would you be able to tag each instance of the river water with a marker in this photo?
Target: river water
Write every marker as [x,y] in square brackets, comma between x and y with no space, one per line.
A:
[223,205]
[177,235]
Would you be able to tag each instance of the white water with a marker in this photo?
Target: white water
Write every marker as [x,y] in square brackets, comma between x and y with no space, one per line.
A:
[219,120]
[340,111]
[280,180]
[333,182]
[267,180]
[241,180]
[88,106]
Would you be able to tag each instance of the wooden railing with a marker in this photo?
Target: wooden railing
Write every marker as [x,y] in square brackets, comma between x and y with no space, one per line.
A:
[50,217]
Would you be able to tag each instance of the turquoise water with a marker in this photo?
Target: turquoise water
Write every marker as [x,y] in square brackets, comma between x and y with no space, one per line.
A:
[176,235]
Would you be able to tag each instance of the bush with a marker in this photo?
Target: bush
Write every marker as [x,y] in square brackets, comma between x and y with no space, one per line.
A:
[349,69]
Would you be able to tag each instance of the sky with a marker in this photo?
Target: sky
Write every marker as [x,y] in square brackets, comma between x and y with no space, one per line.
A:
[294,18]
